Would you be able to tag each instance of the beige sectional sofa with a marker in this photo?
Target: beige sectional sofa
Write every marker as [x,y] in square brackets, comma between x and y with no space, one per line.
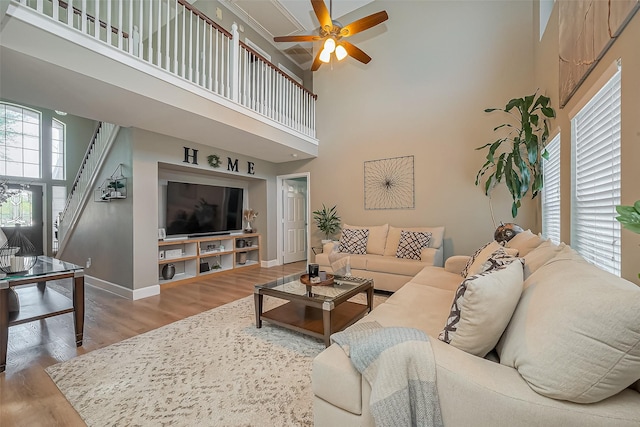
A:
[569,354]
[380,262]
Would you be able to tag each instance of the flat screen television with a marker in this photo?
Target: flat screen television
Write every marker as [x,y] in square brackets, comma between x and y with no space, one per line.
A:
[198,209]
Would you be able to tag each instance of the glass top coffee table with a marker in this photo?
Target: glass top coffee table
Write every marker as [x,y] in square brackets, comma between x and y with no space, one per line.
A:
[38,301]
[318,311]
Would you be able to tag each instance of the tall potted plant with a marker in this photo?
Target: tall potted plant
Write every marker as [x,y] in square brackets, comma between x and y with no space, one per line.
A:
[327,220]
[516,157]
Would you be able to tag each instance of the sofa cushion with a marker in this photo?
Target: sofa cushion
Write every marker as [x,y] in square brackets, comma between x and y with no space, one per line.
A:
[524,242]
[393,238]
[377,237]
[393,265]
[482,308]
[575,334]
[411,244]
[354,241]
[540,255]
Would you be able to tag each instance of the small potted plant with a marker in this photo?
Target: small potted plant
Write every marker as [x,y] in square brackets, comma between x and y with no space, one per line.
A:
[327,221]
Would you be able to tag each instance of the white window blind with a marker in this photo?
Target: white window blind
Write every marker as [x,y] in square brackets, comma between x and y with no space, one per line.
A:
[595,233]
[551,192]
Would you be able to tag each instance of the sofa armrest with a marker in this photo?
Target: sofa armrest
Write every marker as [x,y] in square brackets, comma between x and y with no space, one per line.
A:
[329,247]
[431,256]
[456,263]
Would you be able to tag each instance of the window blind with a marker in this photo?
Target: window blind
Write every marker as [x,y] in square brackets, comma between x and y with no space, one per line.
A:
[595,233]
[551,192]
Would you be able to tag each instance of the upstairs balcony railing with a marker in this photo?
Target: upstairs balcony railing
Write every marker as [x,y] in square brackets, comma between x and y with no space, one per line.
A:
[175,36]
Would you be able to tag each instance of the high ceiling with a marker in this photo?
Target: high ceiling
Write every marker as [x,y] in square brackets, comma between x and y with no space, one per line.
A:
[288,17]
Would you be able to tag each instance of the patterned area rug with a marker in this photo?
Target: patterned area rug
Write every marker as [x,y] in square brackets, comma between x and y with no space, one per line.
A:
[211,369]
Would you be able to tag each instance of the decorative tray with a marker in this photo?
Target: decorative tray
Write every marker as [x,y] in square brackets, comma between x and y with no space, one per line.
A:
[304,279]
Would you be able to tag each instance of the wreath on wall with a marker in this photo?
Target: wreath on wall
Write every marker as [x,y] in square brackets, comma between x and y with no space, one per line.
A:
[214,160]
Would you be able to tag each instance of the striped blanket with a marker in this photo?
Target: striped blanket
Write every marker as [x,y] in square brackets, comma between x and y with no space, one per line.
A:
[398,364]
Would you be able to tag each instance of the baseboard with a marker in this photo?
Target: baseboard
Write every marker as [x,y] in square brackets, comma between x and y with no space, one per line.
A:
[132,294]
[270,263]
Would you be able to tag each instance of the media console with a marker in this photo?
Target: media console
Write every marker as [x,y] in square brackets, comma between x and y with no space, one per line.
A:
[220,253]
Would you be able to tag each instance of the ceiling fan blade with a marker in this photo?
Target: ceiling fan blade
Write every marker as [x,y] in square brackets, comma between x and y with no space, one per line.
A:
[322,13]
[355,52]
[308,38]
[316,62]
[364,24]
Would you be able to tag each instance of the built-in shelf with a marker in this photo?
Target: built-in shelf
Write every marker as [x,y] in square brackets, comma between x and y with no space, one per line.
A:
[198,258]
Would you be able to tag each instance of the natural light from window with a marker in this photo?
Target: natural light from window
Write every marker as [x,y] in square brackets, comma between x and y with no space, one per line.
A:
[57,149]
[551,192]
[19,141]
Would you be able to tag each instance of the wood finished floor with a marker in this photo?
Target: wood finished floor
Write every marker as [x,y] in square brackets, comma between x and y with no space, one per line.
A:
[28,397]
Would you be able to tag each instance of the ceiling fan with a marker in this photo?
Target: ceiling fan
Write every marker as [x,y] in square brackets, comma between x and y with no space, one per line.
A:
[333,34]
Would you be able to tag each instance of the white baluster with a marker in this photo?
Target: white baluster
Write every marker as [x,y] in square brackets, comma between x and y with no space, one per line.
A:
[96,19]
[140,29]
[159,36]
[184,36]
[70,13]
[108,21]
[235,63]
[39,5]
[56,10]
[197,60]
[212,51]
[190,46]
[150,33]
[120,33]
[131,42]
[216,52]
[167,58]
[175,39]
[84,16]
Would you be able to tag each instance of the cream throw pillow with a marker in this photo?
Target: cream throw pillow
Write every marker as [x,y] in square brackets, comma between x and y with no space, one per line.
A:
[524,242]
[482,308]
[575,334]
[377,237]
[474,265]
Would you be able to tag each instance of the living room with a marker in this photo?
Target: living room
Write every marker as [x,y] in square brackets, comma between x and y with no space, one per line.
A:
[436,66]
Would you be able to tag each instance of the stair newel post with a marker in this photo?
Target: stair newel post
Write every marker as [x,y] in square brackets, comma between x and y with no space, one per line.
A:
[235,62]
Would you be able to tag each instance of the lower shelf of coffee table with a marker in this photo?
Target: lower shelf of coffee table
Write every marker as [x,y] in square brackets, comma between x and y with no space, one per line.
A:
[308,320]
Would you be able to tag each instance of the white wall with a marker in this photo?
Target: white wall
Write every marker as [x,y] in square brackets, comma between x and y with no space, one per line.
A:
[436,66]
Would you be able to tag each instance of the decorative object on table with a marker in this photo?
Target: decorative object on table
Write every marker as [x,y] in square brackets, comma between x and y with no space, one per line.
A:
[168,271]
[505,232]
[241,243]
[308,280]
[629,217]
[160,254]
[389,183]
[517,157]
[18,254]
[314,269]
[162,234]
[327,221]
[114,187]
[583,42]
[249,216]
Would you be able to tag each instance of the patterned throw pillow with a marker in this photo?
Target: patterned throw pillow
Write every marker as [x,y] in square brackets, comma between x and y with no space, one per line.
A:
[497,259]
[354,241]
[465,270]
[482,308]
[411,244]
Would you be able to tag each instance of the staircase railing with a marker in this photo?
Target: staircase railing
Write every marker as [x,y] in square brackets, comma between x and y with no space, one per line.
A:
[80,190]
[177,37]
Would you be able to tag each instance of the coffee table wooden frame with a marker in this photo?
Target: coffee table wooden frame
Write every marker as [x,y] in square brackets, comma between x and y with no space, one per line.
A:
[315,316]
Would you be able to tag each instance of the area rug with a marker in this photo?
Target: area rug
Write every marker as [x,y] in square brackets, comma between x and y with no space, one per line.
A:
[212,369]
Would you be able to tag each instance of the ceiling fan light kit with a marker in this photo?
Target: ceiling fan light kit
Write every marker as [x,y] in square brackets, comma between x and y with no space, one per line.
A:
[332,32]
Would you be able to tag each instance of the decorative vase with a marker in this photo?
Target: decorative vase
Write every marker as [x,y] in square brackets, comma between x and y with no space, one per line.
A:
[248,228]
[506,232]
[18,254]
[168,271]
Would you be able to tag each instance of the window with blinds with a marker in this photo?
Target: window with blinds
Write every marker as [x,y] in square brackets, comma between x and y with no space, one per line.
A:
[595,233]
[551,192]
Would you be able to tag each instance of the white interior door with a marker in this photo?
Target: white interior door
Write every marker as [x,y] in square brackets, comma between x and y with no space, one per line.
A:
[295,220]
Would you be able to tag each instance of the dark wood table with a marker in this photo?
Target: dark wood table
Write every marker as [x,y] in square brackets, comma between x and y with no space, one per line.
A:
[318,311]
[38,301]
